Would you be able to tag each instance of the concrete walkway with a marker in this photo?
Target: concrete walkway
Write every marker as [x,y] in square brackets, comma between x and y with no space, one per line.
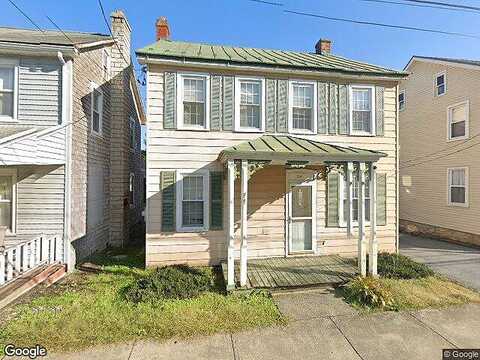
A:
[322,326]
[460,263]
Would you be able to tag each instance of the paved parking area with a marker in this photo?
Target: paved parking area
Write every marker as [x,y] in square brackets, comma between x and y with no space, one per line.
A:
[460,263]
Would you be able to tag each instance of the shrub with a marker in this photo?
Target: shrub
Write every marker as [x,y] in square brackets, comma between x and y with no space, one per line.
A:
[397,266]
[368,292]
[169,282]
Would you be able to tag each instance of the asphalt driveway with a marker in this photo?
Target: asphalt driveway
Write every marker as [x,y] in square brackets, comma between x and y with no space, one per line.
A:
[457,262]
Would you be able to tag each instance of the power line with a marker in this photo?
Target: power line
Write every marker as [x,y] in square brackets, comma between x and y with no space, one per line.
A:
[412,28]
[457,6]
[26,16]
[421,6]
[268,2]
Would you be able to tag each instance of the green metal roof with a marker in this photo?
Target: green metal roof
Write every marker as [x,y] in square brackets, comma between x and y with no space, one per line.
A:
[178,50]
[290,148]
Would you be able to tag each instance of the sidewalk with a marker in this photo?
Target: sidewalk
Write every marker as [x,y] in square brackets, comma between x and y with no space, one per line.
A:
[321,327]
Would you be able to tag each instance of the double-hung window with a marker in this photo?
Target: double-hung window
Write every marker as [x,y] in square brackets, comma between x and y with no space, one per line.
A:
[440,85]
[193,105]
[96,109]
[192,203]
[7,91]
[355,192]
[362,106]
[458,115]
[7,199]
[302,114]
[402,100]
[250,104]
[458,186]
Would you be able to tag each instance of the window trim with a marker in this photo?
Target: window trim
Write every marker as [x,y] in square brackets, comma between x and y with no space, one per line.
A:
[404,92]
[15,64]
[373,124]
[291,129]
[435,86]
[467,121]
[133,133]
[449,202]
[237,92]
[13,174]
[180,124]
[342,222]
[94,87]
[131,184]
[106,65]
[179,200]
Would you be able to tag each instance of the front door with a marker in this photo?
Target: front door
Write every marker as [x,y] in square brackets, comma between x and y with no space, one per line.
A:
[301,212]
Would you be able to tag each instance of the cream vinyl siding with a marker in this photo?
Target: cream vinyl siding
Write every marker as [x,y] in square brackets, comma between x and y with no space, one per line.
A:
[170,150]
[423,131]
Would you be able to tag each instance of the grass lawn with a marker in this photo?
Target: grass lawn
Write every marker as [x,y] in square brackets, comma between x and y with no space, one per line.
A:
[89,309]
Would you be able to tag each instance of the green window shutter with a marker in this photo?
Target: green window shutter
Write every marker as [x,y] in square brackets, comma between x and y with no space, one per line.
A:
[333,115]
[332,201]
[170,112]
[271,99]
[381,199]
[282,106]
[216,200]
[228,100]
[379,109]
[216,103]
[167,187]
[322,94]
[343,110]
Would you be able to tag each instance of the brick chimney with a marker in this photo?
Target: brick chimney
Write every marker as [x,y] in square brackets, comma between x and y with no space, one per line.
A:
[163,30]
[323,46]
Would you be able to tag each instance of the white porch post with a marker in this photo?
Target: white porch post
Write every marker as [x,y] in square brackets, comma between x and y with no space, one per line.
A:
[362,246]
[349,184]
[373,243]
[231,224]
[244,212]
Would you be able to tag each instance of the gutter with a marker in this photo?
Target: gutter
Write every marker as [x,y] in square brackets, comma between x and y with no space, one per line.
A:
[37,49]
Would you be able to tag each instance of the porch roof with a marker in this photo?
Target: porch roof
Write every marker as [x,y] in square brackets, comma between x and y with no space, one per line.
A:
[289,148]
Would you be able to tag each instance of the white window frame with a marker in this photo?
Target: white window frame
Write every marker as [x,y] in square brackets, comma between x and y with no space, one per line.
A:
[94,87]
[435,86]
[449,120]
[13,174]
[404,93]
[373,124]
[13,64]
[106,64]
[131,186]
[180,124]
[237,127]
[206,199]
[449,185]
[133,133]
[341,198]
[291,130]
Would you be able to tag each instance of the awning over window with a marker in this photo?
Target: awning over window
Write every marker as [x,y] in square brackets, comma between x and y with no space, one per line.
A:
[284,148]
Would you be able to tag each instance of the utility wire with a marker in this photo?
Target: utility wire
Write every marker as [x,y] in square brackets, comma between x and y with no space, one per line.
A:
[441,3]
[268,2]
[412,28]
[26,16]
[421,6]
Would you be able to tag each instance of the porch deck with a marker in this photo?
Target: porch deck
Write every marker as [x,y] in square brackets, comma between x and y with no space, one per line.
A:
[295,272]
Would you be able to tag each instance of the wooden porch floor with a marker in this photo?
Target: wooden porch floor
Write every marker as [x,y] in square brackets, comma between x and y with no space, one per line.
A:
[292,272]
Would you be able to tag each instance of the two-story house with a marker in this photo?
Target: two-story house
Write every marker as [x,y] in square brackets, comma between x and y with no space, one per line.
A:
[439,165]
[257,153]
[70,159]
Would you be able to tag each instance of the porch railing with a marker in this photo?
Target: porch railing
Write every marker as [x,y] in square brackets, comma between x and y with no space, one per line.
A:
[23,257]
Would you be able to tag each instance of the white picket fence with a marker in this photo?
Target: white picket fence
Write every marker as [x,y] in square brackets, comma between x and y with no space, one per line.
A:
[23,257]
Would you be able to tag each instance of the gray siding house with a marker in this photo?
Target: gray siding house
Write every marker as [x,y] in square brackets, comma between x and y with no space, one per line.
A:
[71,169]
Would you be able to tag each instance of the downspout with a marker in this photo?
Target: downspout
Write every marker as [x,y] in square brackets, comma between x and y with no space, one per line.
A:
[397,170]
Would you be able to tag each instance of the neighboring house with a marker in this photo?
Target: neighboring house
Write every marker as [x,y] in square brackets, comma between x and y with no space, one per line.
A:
[291,123]
[439,162]
[70,158]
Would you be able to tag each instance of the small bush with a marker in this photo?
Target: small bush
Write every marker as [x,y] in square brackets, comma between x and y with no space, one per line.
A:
[169,282]
[397,266]
[368,292]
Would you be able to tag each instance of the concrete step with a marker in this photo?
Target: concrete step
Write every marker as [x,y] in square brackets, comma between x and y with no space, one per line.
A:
[48,274]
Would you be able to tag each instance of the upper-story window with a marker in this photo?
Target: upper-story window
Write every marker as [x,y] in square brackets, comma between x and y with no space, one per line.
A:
[133,133]
[302,107]
[193,95]
[96,109]
[440,84]
[106,64]
[362,110]
[458,115]
[402,100]
[250,104]
[7,91]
